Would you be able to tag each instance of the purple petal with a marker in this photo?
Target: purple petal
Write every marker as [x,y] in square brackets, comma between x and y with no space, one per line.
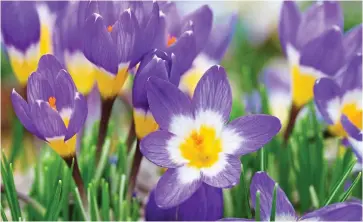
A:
[220,38]
[263,183]
[22,111]
[124,35]
[110,11]
[236,219]
[154,67]
[155,147]
[225,173]
[356,148]
[47,121]
[327,99]
[184,50]
[353,42]
[252,102]
[213,92]
[317,19]
[276,81]
[325,53]
[348,211]
[48,68]
[78,117]
[85,10]
[289,24]
[39,88]
[98,46]
[173,25]
[20,25]
[175,187]
[166,101]
[350,128]
[204,205]
[351,78]
[249,133]
[202,23]
[64,91]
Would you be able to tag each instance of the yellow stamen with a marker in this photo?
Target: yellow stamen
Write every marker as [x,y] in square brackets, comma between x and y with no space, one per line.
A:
[171,40]
[51,101]
[201,148]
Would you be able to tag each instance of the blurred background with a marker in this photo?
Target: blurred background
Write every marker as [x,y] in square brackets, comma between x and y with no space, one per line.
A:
[254,47]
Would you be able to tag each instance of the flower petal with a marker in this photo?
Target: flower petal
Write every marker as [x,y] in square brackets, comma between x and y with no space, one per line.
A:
[317,19]
[351,78]
[176,186]
[47,121]
[201,19]
[325,53]
[353,42]
[64,91]
[167,101]
[85,10]
[350,128]
[18,18]
[39,88]
[327,99]
[22,111]
[48,68]
[98,46]
[348,211]
[249,133]
[124,35]
[156,66]
[263,183]
[223,174]
[78,117]
[213,92]
[289,23]
[158,147]
[205,204]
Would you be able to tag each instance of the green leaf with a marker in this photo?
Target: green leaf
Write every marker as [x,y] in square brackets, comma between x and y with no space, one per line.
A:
[257,210]
[105,210]
[53,212]
[273,206]
[350,189]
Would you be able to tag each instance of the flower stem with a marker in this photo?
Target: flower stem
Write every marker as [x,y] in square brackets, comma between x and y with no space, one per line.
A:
[131,136]
[73,165]
[134,169]
[294,111]
[106,109]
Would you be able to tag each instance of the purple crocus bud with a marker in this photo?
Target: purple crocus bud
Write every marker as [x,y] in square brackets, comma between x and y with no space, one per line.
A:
[20,28]
[320,53]
[194,140]
[54,110]
[206,204]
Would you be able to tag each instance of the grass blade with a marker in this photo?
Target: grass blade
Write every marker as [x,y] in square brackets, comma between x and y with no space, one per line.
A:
[350,189]
[273,207]
[257,211]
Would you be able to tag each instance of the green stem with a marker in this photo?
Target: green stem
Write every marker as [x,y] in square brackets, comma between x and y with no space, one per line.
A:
[273,207]
[258,217]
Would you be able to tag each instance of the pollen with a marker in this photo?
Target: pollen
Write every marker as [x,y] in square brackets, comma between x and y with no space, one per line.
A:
[354,115]
[51,102]
[201,148]
[171,40]
[109,28]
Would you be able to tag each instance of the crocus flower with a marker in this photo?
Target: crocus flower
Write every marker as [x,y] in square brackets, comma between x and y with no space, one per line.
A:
[341,100]
[313,44]
[54,110]
[346,211]
[194,140]
[114,38]
[206,204]
[20,28]
[252,102]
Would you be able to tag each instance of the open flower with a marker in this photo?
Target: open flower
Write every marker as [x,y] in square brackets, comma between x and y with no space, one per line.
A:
[346,211]
[313,44]
[20,28]
[341,99]
[206,204]
[194,140]
[114,39]
[54,110]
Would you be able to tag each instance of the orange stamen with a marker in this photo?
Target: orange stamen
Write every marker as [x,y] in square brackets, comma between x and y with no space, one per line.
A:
[171,40]
[51,102]
[109,28]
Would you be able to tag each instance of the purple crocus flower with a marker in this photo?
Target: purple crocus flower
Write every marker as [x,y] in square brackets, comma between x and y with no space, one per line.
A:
[314,45]
[54,110]
[206,204]
[114,38]
[20,28]
[340,100]
[194,140]
[252,102]
[346,211]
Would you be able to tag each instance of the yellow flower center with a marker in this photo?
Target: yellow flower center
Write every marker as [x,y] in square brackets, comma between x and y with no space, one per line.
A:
[201,148]
[302,86]
[354,114]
